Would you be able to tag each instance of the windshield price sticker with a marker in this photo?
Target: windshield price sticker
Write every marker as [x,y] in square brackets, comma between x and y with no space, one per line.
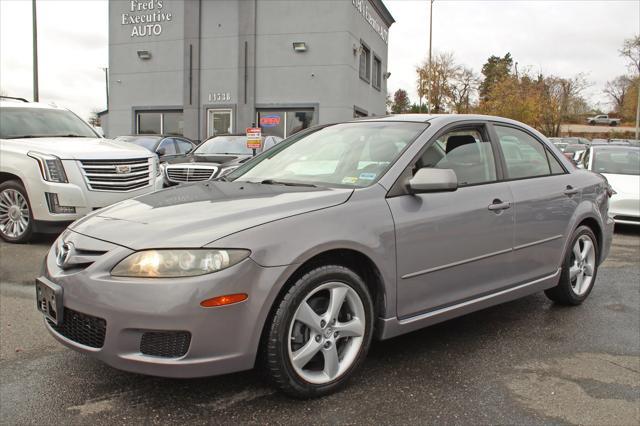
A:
[254,137]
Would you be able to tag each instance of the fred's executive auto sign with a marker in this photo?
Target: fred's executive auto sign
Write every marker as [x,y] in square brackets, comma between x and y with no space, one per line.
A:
[365,10]
[146,17]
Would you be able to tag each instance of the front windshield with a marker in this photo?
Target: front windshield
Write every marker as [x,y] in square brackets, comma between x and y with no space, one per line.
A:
[342,155]
[42,123]
[143,141]
[617,161]
[224,145]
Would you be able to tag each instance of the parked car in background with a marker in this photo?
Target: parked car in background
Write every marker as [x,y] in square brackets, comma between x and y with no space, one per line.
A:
[574,152]
[558,142]
[54,169]
[599,142]
[576,141]
[420,219]
[621,166]
[214,158]
[603,119]
[167,147]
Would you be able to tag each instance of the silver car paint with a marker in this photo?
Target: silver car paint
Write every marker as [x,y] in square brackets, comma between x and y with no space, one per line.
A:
[285,227]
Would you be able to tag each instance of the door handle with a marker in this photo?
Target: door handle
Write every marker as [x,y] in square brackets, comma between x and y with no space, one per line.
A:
[570,191]
[499,205]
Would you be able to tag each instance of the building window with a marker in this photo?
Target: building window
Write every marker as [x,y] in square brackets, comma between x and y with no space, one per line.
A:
[365,63]
[285,122]
[220,122]
[160,122]
[377,73]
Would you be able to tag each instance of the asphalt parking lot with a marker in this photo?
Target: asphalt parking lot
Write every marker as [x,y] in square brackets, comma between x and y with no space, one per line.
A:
[523,362]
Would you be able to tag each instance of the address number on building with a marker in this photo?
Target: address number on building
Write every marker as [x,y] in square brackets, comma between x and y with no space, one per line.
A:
[219,96]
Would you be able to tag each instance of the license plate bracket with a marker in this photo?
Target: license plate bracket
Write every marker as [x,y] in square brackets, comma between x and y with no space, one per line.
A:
[49,300]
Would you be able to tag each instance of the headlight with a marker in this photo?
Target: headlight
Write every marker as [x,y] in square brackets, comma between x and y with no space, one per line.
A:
[228,170]
[50,167]
[177,263]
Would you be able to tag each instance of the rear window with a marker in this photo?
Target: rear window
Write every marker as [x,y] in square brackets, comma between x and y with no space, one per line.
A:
[617,161]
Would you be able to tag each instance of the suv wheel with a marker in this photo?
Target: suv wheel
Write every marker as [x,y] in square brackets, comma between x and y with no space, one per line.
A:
[320,332]
[16,220]
[579,269]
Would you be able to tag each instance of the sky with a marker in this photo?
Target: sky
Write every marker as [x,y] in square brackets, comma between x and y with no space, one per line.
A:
[556,37]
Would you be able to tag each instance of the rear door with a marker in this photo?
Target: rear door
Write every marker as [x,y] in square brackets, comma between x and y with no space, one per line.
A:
[544,200]
[453,246]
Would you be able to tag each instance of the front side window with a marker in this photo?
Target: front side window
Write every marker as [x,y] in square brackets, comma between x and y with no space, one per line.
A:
[168,146]
[365,63]
[342,155]
[40,123]
[524,155]
[466,153]
[183,146]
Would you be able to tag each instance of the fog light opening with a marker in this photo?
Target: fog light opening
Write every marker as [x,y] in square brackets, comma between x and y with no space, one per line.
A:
[228,299]
[54,205]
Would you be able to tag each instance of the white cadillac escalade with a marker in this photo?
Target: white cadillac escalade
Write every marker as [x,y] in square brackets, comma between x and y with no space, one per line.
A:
[54,169]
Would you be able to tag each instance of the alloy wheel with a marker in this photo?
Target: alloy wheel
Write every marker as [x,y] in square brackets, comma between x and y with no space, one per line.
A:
[14,213]
[583,263]
[326,333]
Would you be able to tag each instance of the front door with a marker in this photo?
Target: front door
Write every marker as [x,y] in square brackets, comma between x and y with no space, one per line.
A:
[454,246]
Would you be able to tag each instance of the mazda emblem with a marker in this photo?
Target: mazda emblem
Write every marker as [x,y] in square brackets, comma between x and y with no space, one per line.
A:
[63,254]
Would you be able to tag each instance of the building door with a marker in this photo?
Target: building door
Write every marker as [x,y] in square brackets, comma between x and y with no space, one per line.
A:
[219,122]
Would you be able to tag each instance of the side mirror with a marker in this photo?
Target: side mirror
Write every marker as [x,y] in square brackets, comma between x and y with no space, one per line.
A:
[161,152]
[433,180]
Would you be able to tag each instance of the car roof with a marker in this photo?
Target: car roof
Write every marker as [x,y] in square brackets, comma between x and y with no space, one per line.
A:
[7,102]
[615,146]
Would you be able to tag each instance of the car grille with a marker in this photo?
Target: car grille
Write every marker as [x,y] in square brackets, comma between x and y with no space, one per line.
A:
[81,328]
[117,175]
[190,174]
[165,344]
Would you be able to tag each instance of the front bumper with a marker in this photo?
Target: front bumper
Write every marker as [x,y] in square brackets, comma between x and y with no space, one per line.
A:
[625,208]
[79,196]
[607,238]
[223,339]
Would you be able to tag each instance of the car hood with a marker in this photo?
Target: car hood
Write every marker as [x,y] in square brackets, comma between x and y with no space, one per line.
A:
[215,159]
[81,148]
[624,184]
[197,214]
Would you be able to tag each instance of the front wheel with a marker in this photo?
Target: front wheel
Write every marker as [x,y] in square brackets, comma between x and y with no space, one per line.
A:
[16,220]
[579,269]
[320,333]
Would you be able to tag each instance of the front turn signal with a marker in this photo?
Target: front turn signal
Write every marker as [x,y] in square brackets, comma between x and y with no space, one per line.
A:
[228,299]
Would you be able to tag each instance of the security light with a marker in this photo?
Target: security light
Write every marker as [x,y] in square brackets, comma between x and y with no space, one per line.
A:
[299,46]
[386,75]
[144,54]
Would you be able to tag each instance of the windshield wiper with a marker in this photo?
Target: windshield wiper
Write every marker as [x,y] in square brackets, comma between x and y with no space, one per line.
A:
[26,136]
[70,135]
[286,183]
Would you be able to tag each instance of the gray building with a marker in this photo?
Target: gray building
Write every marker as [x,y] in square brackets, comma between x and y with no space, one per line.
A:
[205,67]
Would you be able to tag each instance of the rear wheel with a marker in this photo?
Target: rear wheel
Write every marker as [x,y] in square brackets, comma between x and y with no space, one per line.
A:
[579,269]
[320,333]
[16,220]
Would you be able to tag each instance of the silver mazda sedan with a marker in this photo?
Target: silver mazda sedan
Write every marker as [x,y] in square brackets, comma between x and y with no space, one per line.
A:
[343,232]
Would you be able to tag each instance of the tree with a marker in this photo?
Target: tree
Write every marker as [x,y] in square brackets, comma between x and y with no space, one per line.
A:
[494,70]
[631,51]
[462,89]
[388,102]
[445,78]
[617,90]
[94,118]
[401,102]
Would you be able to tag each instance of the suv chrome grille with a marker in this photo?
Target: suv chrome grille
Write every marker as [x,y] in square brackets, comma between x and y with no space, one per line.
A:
[117,175]
[190,173]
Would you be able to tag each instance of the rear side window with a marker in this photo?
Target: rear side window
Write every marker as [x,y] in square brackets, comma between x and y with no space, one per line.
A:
[524,155]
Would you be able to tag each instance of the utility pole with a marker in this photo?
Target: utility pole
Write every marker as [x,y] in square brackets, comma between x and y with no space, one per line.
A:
[106,83]
[36,96]
[429,71]
[638,113]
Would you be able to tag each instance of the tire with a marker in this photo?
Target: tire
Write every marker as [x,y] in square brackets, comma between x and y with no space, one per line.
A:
[319,370]
[16,218]
[613,123]
[593,123]
[578,273]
